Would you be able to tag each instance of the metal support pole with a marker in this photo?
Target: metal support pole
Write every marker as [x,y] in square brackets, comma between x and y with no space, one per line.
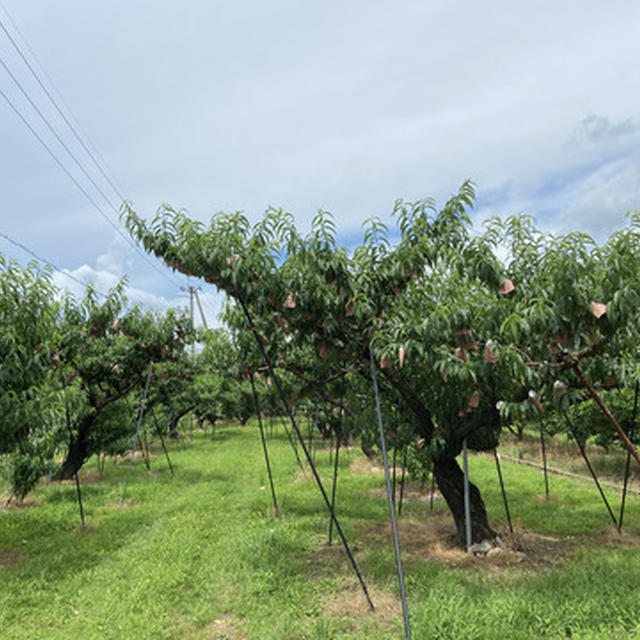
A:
[145,450]
[628,464]
[504,493]
[404,473]
[204,320]
[314,471]
[593,473]
[433,488]
[392,512]
[136,436]
[335,484]
[162,442]
[75,473]
[293,444]
[603,407]
[313,430]
[395,454]
[264,445]
[467,504]
[544,458]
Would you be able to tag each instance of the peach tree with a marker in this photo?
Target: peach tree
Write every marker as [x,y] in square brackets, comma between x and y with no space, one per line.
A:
[467,328]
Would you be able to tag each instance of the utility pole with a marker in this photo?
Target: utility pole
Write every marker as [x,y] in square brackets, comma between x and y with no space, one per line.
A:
[197,297]
[193,324]
[192,294]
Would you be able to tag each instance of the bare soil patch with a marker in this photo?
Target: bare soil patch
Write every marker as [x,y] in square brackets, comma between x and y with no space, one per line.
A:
[86,477]
[86,528]
[90,476]
[8,503]
[363,466]
[8,558]
[351,604]
[127,504]
[412,494]
[225,627]
[302,476]
[431,540]
[330,559]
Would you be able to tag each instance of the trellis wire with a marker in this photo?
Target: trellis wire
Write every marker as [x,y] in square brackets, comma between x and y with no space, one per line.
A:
[392,512]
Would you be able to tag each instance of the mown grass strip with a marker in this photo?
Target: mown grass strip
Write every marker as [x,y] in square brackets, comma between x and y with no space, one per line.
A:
[200,555]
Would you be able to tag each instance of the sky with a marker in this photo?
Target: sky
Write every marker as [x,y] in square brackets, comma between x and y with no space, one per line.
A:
[345,106]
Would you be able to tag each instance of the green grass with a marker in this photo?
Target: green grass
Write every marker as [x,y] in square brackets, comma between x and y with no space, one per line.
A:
[200,556]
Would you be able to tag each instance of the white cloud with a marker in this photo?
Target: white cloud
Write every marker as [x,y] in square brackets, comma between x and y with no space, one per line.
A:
[75,282]
[214,106]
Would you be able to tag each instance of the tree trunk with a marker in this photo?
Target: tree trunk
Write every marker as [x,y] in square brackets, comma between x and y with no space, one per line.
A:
[78,450]
[446,470]
[173,427]
[450,480]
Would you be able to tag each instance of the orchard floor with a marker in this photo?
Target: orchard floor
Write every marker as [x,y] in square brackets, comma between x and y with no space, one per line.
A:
[201,555]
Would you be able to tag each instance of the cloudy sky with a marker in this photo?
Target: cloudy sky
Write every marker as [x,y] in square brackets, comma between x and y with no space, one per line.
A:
[212,105]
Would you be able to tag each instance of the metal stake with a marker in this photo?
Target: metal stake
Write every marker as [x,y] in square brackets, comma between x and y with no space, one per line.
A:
[433,488]
[164,446]
[264,445]
[335,484]
[404,472]
[593,473]
[504,493]
[544,458]
[628,464]
[394,524]
[136,437]
[467,505]
[75,473]
[314,471]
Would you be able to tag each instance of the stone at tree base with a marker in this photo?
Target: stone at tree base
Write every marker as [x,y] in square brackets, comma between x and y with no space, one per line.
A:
[481,548]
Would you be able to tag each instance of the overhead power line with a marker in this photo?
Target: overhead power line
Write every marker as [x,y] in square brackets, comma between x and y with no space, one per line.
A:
[103,163]
[57,135]
[47,262]
[60,164]
[60,112]
[82,189]
[171,279]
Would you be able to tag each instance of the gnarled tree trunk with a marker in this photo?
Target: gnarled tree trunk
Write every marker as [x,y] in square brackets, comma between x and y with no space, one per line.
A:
[78,451]
[450,481]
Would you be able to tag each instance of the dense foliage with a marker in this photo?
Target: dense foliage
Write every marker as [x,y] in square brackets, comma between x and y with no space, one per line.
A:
[72,372]
[468,329]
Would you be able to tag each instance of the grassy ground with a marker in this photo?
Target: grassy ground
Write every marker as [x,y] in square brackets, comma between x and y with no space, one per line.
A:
[200,556]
